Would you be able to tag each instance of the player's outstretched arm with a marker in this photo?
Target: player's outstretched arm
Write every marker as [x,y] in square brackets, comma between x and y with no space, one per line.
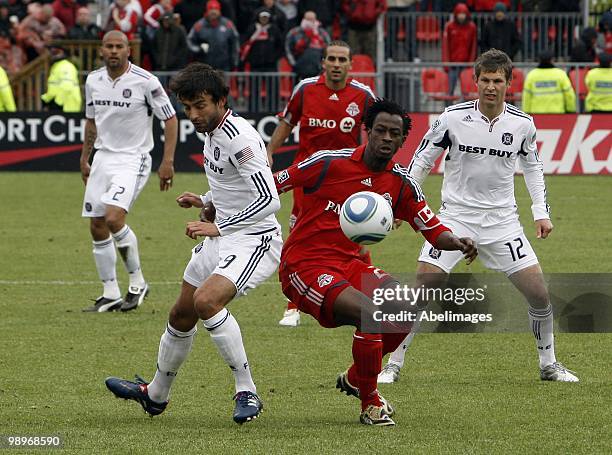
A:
[91,133]
[450,242]
[280,135]
[166,168]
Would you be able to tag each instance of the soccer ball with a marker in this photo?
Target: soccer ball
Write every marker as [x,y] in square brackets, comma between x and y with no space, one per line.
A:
[366,217]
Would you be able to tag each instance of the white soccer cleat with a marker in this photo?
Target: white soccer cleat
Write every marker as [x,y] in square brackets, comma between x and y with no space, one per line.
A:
[557,372]
[389,374]
[291,318]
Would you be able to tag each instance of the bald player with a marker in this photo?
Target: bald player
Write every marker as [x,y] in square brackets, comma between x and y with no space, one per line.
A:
[121,99]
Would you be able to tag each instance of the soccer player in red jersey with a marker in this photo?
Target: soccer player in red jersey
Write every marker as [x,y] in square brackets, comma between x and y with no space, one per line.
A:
[321,270]
[329,110]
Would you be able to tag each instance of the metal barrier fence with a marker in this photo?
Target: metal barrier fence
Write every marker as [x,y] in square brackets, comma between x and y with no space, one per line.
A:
[412,36]
[425,87]
[419,87]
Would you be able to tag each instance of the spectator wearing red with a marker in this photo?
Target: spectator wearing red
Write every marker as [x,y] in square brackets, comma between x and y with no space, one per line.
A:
[66,12]
[304,46]
[459,42]
[152,15]
[361,16]
[123,18]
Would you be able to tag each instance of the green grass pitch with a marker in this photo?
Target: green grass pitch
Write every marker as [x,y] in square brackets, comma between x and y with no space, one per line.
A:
[459,393]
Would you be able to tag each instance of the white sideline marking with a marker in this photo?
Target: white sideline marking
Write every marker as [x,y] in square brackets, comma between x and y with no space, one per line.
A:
[80,283]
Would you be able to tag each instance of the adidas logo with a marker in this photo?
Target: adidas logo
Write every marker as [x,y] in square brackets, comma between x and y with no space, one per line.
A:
[367,182]
[467,118]
[334,97]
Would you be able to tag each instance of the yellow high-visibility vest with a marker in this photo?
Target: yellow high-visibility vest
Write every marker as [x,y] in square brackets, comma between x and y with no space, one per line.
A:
[599,85]
[7,102]
[63,86]
[548,91]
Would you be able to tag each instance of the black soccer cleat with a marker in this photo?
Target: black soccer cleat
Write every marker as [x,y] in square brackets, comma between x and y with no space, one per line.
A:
[248,407]
[345,386]
[134,297]
[136,391]
[102,304]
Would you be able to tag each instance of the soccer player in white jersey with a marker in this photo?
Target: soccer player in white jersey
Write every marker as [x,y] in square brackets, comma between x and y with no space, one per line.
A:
[242,247]
[486,138]
[120,100]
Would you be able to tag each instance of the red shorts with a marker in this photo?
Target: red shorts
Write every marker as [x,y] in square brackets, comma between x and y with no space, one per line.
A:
[315,287]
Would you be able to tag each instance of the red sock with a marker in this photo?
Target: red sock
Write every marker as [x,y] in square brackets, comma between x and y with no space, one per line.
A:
[367,355]
[291,305]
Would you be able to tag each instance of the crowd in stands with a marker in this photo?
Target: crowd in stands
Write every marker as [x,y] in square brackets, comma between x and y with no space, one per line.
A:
[253,35]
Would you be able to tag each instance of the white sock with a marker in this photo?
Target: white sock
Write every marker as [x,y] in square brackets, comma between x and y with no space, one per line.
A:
[174,347]
[225,333]
[397,357]
[542,326]
[105,258]
[127,243]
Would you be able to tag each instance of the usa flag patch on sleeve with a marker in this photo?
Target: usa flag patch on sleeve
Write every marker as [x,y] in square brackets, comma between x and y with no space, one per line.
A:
[244,155]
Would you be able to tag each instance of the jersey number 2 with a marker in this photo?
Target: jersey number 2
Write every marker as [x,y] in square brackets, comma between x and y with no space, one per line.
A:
[516,251]
[121,191]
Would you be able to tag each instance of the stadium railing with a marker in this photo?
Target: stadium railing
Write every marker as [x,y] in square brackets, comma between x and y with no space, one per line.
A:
[31,81]
[417,36]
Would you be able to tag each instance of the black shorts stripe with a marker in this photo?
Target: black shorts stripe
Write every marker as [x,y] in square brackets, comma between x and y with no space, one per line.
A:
[255,259]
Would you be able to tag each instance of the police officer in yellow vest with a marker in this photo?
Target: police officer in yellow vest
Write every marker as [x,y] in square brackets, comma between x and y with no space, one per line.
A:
[547,89]
[599,86]
[63,87]
[7,102]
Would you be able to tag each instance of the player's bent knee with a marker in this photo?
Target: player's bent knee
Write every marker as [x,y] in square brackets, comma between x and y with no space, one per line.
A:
[99,230]
[205,304]
[115,219]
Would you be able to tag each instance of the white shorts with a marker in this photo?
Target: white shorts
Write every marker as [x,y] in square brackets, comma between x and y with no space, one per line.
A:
[246,260]
[115,179]
[502,244]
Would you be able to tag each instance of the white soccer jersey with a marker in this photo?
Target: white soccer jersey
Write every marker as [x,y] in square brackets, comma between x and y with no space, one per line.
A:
[479,167]
[240,179]
[122,109]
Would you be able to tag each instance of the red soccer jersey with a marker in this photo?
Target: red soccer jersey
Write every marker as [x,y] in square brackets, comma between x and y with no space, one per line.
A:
[328,119]
[328,179]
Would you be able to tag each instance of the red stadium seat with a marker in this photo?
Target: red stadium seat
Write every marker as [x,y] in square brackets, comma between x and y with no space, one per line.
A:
[581,91]
[515,91]
[363,64]
[435,84]
[427,28]
[468,86]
